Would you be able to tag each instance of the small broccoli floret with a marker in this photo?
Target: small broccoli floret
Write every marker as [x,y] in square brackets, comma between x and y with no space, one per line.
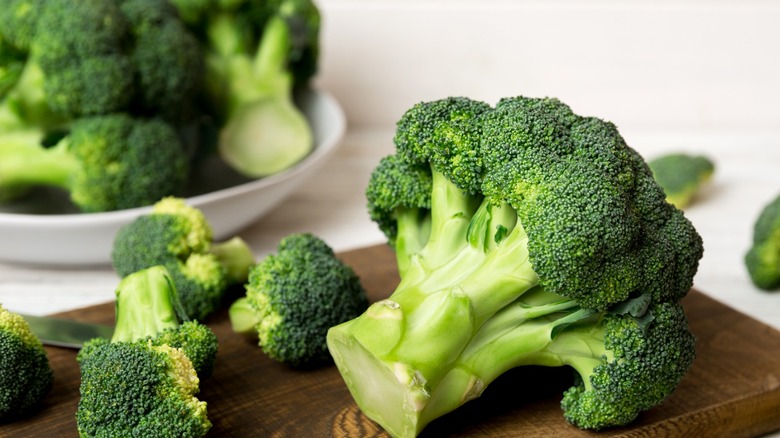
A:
[106,163]
[681,176]
[143,381]
[540,227]
[763,258]
[179,237]
[166,57]
[294,296]
[255,53]
[25,375]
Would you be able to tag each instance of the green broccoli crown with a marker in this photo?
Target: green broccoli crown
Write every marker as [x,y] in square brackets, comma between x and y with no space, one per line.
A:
[125,162]
[139,389]
[395,189]
[295,295]
[101,57]
[166,56]
[681,175]
[201,281]
[19,21]
[82,48]
[763,257]
[648,356]
[25,375]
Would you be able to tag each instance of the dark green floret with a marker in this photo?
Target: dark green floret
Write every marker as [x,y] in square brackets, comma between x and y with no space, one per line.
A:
[763,258]
[682,176]
[294,296]
[98,57]
[545,241]
[25,375]
[109,162]
[143,381]
[180,237]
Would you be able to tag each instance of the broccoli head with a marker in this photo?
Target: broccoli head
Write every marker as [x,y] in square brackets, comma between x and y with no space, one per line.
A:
[25,375]
[681,176]
[294,296]
[179,237]
[763,257]
[521,232]
[98,57]
[143,381]
[108,162]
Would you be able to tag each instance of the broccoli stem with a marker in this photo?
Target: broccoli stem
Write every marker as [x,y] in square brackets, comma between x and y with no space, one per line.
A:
[145,305]
[236,257]
[265,133]
[24,162]
[404,388]
[243,317]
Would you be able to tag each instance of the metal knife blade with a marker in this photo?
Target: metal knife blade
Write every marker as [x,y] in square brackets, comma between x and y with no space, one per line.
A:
[61,332]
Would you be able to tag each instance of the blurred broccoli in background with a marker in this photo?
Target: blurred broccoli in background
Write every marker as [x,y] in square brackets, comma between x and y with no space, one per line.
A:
[763,258]
[256,53]
[116,80]
[143,381]
[179,237]
[106,162]
[294,296]
[25,375]
[681,176]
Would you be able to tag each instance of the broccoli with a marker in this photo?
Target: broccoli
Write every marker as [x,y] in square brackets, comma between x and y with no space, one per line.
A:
[763,257]
[107,162]
[294,296]
[681,176]
[143,381]
[256,52]
[525,235]
[95,57]
[25,375]
[180,237]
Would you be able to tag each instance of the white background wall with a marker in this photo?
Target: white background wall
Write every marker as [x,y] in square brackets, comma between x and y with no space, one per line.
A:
[643,64]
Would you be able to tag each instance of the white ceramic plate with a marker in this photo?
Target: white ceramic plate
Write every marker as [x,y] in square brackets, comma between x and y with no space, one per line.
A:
[46,231]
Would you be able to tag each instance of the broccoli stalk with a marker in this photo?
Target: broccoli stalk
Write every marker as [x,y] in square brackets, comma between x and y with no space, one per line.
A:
[105,162]
[154,357]
[543,239]
[265,133]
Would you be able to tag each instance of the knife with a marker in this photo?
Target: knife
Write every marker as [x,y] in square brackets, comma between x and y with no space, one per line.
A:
[61,332]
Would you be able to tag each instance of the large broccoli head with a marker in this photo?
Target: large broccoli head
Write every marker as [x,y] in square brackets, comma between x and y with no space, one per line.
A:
[519,229]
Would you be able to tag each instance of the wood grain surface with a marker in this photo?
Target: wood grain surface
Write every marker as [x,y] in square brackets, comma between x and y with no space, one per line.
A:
[732,390]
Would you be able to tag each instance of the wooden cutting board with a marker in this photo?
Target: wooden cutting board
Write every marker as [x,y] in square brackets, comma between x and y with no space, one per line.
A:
[732,390]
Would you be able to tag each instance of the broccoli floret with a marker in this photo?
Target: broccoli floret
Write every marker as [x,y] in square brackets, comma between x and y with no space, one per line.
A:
[99,57]
[763,257]
[681,176]
[180,237]
[540,228]
[256,52]
[294,296]
[167,59]
[25,375]
[109,162]
[143,381]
